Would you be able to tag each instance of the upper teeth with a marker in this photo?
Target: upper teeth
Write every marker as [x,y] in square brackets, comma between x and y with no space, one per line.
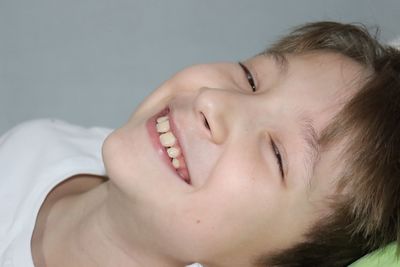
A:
[173,152]
[163,118]
[168,140]
[163,125]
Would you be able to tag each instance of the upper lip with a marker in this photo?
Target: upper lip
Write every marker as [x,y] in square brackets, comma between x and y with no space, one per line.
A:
[176,130]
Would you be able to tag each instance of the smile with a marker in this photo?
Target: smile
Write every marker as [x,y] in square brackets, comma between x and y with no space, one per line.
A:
[167,143]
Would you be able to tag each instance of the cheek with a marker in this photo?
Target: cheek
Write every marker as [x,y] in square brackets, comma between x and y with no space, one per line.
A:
[238,189]
[198,76]
[229,211]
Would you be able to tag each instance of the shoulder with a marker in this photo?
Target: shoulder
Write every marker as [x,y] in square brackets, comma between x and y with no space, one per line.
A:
[45,130]
[51,126]
[49,139]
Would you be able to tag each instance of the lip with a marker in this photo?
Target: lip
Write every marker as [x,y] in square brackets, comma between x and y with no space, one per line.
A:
[155,140]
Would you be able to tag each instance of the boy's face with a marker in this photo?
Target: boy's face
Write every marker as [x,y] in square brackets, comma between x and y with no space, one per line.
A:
[237,205]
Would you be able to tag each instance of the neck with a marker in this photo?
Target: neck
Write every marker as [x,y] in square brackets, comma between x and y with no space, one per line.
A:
[79,231]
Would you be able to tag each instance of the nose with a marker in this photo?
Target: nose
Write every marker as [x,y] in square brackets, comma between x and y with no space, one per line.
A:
[218,110]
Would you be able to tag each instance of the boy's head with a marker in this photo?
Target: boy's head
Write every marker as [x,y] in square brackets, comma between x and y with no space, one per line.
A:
[365,212]
[263,150]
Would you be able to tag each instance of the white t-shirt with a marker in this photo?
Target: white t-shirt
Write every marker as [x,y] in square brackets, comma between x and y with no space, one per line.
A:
[34,157]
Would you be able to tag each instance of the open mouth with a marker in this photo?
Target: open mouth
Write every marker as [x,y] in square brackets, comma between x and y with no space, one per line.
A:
[162,129]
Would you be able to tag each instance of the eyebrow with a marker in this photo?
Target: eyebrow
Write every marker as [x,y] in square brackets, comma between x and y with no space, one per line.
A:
[280,61]
[309,137]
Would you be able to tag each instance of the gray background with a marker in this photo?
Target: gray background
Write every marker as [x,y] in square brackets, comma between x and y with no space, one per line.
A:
[91,62]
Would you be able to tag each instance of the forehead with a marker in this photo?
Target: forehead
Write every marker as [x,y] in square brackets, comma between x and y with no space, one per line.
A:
[323,72]
[314,86]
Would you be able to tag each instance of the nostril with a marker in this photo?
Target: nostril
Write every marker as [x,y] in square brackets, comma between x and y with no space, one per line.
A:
[205,122]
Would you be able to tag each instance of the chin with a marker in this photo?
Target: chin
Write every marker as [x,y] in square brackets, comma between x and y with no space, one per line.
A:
[135,167]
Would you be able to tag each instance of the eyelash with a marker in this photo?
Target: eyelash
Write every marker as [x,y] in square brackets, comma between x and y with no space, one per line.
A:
[278,157]
[275,149]
[249,77]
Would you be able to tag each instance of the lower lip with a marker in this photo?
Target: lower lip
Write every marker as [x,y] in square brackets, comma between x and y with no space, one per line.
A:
[155,140]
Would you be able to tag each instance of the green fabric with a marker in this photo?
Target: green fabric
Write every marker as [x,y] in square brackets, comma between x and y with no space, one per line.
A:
[385,257]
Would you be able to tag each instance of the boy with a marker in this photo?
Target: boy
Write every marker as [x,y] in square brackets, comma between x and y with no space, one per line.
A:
[289,158]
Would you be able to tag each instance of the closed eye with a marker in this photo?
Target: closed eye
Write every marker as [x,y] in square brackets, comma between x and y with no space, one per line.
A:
[249,77]
[278,158]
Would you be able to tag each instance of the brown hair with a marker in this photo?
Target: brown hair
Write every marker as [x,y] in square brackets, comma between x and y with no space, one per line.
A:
[366,210]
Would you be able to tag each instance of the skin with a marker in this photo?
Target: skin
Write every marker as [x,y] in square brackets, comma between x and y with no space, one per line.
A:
[238,206]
